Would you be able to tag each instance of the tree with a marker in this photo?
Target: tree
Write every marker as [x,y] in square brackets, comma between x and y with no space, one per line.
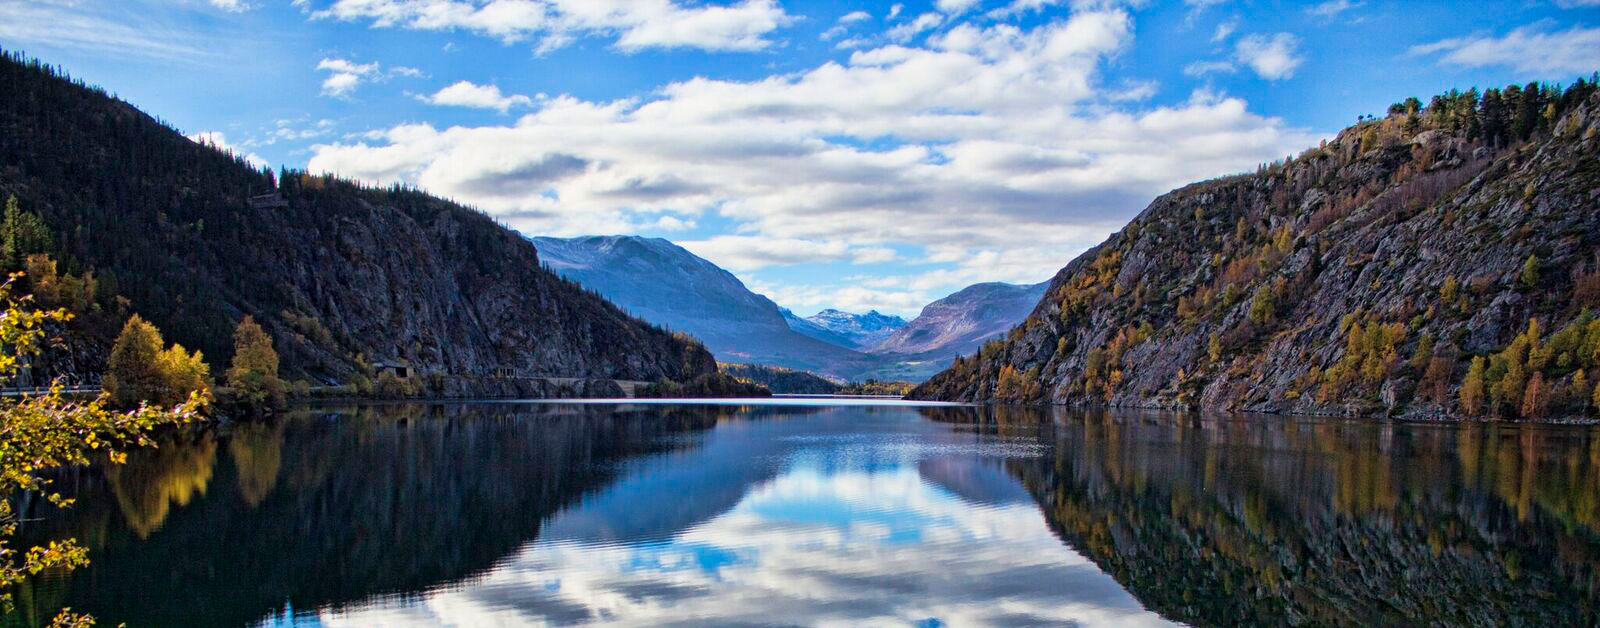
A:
[21,234]
[42,433]
[1536,400]
[1214,348]
[1530,272]
[253,375]
[139,370]
[133,373]
[1595,400]
[1472,388]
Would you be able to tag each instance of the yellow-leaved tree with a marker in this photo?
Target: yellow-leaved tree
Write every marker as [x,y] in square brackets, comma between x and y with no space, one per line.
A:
[43,432]
[253,376]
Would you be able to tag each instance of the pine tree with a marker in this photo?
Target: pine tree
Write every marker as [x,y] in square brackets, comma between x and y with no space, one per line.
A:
[1530,272]
[22,234]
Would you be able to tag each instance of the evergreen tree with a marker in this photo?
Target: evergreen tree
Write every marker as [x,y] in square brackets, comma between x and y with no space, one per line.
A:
[21,234]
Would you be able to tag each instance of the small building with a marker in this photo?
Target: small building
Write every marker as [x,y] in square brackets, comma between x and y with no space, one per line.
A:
[402,371]
[270,200]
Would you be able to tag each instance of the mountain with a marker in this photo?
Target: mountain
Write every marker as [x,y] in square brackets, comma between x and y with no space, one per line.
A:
[665,284]
[1441,261]
[342,275]
[846,329]
[806,327]
[952,326]
[960,322]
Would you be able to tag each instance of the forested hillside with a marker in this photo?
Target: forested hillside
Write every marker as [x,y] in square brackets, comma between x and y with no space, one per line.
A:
[343,276]
[1443,260]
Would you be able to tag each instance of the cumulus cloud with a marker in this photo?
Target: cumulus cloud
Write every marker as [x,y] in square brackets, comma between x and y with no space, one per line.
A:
[344,75]
[231,6]
[1272,57]
[218,140]
[1532,48]
[635,24]
[977,141]
[469,94]
[923,23]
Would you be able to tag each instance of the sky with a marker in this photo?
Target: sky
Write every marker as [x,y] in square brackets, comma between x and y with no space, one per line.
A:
[855,155]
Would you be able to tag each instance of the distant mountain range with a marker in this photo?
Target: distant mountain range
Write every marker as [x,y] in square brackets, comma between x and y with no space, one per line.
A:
[665,284]
[857,331]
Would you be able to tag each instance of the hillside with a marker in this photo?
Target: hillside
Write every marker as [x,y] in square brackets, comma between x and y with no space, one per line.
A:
[1441,261]
[960,322]
[341,275]
[665,284]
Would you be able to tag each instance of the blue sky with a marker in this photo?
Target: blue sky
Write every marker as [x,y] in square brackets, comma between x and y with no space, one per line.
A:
[832,154]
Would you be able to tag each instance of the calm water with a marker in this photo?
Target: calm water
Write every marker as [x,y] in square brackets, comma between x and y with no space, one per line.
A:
[878,515]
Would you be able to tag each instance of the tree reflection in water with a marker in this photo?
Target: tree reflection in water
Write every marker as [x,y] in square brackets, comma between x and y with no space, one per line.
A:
[1265,520]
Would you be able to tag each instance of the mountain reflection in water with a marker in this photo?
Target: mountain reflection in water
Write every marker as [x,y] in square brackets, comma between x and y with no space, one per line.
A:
[557,514]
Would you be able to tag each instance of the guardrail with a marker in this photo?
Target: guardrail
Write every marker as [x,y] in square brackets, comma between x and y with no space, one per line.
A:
[39,390]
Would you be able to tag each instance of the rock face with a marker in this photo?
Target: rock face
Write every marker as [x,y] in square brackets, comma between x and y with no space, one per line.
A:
[341,275]
[1362,277]
[852,330]
[665,284]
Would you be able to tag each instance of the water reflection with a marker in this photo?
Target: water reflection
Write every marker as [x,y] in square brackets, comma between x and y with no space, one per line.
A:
[506,514]
[1269,521]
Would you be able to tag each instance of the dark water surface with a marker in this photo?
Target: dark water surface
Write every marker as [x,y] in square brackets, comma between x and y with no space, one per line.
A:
[832,515]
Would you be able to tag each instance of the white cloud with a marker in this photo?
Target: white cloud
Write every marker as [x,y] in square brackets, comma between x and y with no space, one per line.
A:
[925,22]
[231,6]
[101,29]
[1019,7]
[218,140]
[1225,30]
[1202,68]
[842,26]
[894,10]
[344,75]
[468,94]
[1573,4]
[1272,58]
[636,24]
[1331,8]
[955,7]
[976,144]
[1532,48]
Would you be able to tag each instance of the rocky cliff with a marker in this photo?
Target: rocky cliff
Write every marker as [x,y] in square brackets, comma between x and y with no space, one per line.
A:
[342,275]
[1441,261]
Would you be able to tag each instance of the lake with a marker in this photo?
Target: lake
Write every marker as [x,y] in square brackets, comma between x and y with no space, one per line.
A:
[831,513]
